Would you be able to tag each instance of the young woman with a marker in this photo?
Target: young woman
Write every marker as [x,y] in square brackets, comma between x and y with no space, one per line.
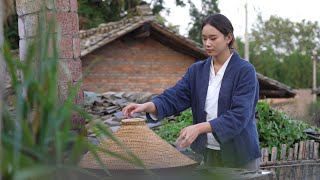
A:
[222,91]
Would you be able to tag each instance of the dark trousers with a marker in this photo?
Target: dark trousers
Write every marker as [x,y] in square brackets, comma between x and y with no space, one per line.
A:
[213,158]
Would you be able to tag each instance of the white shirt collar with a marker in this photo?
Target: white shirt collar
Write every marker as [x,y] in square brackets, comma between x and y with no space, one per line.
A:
[223,67]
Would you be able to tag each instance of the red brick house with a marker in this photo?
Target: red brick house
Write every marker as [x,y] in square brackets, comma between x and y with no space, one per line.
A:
[139,55]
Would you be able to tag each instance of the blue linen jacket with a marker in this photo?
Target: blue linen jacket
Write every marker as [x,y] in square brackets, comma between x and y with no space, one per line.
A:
[235,127]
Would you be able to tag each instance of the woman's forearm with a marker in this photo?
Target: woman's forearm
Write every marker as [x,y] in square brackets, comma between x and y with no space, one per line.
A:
[151,108]
[204,127]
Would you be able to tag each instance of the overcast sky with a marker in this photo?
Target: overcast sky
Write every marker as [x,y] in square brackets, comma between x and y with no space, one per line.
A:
[295,10]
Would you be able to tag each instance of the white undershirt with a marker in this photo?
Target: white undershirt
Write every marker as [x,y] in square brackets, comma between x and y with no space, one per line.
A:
[211,106]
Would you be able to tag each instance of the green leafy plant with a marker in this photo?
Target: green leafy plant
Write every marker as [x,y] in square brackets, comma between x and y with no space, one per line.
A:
[36,137]
[171,129]
[276,128]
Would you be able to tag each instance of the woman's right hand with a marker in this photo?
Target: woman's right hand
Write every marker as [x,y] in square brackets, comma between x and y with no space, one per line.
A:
[132,108]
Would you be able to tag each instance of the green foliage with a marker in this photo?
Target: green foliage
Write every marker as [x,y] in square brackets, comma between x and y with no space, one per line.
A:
[170,131]
[198,15]
[276,128]
[36,137]
[159,5]
[294,70]
[239,46]
[93,13]
[284,36]
[275,33]
[11,31]
[281,49]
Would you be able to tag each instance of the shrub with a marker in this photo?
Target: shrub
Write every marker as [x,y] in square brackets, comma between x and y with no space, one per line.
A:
[276,128]
[171,129]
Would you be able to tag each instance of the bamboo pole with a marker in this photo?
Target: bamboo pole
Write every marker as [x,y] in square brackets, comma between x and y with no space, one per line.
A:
[290,163]
[301,150]
[282,159]
[273,157]
[266,155]
[295,155]
[316,151]
[307,151]
[274,154]
[311,149]
[315,173]
[283,152]
[290,154]
[298,174]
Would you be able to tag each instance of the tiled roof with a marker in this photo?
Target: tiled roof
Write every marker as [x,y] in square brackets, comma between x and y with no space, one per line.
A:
[94,38]
[271,88]
[107,108]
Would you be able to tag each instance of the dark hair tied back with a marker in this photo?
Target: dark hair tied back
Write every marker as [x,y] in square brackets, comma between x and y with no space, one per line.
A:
[221,23]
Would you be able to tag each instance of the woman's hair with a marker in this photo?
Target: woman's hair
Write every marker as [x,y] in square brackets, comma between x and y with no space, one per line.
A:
[222,24]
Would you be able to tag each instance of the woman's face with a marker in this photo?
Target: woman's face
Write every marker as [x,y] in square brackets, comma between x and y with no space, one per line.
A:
[214,41]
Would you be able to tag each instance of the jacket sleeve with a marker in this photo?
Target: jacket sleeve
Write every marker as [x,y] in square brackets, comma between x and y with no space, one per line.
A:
[174,99]
[231,123]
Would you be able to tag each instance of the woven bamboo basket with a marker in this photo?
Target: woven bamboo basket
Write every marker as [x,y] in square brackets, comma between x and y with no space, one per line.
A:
[155,152]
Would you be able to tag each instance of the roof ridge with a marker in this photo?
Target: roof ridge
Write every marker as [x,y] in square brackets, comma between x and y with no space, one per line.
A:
[107,27]
[179,35]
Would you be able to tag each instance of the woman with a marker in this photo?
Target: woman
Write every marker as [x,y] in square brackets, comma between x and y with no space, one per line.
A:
[222,91]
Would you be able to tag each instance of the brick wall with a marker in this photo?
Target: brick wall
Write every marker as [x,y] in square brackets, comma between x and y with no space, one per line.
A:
[138,65]
[66,14]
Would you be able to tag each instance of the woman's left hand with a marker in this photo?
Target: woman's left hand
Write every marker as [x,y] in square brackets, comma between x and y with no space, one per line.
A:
[188,135]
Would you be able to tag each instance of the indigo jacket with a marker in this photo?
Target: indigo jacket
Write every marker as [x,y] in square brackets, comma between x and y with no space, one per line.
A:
[235,127]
